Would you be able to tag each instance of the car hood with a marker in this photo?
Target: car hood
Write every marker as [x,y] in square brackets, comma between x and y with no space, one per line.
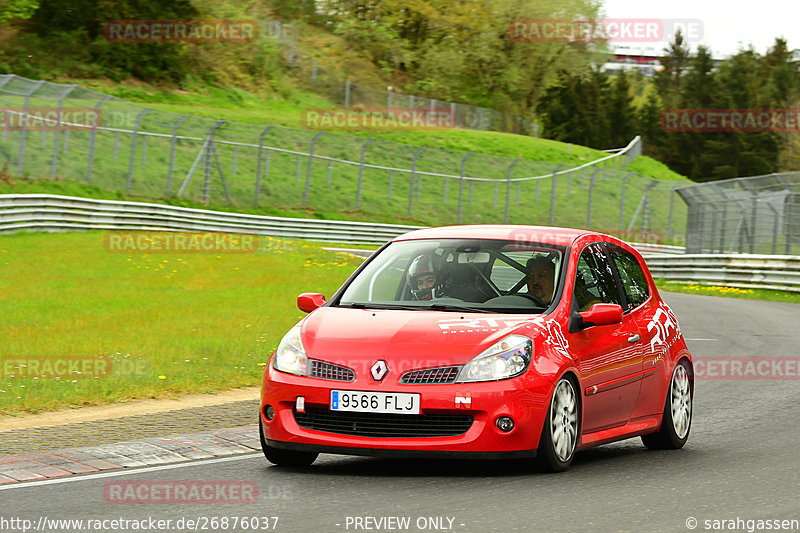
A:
[411,339]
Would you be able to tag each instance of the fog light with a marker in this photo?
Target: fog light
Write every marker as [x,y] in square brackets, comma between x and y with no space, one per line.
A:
[504,423]
[269,412]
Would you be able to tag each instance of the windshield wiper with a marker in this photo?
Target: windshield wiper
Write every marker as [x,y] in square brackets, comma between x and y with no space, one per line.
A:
[361,305]
[464,308]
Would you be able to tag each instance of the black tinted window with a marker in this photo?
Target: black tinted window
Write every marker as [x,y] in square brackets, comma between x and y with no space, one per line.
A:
[595,282]
[630,272]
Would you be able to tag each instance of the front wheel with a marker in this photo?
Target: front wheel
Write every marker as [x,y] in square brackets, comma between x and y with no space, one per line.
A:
[280,457]
[560,432]
[677,418]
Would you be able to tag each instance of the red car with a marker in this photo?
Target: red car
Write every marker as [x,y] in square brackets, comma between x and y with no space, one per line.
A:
[485,342]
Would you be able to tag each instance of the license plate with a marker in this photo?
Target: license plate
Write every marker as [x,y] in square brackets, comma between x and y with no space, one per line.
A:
[375,402]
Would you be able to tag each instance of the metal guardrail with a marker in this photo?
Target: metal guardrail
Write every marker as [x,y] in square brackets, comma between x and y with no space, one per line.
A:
[748,271]
[47,212]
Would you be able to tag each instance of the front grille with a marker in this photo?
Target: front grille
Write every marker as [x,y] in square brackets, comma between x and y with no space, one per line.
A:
[445,374]
[323,370]
[383,424]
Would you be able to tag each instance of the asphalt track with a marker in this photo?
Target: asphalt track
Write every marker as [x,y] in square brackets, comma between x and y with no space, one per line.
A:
[741,462]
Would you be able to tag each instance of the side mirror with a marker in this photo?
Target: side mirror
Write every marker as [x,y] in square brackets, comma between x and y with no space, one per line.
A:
[308,301]
[602,315]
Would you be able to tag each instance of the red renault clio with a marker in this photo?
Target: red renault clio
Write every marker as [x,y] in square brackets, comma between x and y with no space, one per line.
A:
[484,342]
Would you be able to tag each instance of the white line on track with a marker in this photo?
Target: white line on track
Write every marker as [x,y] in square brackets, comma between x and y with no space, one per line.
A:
[126,472]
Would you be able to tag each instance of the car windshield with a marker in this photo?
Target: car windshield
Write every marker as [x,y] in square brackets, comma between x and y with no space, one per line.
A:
[460,275]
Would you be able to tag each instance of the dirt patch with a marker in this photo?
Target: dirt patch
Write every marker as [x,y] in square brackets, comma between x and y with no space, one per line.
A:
[134,407]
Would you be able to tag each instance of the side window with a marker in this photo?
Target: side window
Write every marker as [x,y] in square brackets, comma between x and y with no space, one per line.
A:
[633,279]
[595,282]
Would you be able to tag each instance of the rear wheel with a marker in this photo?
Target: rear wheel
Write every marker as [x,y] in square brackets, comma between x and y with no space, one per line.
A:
[677,418]
[280,457]
[560,432]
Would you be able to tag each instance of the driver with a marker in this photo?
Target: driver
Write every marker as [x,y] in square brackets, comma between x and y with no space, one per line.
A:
[541,277]
[425,280]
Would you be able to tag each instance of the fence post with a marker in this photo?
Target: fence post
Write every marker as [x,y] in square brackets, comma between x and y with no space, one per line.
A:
[310,162]
[92,136]
[461,185]
[314,74]
[21,162]
[413,177]
[589,208]
[389,196]
[258,163]
[209,148]
[361,170]
[787,246]
[671,211]
[496,188]
[508,185]
[330,172]
[347,93]
[297,170]
[132,161]
[56,134]
[553,193]
[388,101]
[753,215]
[622,201]
[4,130]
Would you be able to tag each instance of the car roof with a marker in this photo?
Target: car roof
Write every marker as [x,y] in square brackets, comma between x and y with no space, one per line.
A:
[541,234]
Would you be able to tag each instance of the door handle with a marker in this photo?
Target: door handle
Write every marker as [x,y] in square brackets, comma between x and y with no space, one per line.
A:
[634,338]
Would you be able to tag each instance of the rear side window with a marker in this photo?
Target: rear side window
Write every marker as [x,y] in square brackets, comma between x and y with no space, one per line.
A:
[595,282]
[631,275]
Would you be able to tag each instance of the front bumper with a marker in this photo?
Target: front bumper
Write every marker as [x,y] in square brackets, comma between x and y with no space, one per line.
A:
[525,399]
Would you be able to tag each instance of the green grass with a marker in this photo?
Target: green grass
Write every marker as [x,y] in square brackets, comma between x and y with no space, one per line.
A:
[203,321]
[769,295]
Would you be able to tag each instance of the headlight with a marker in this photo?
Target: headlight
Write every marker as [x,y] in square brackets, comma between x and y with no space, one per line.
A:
[291,356]
[507,358]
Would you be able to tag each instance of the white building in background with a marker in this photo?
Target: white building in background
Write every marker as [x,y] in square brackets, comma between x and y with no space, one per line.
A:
[643,59]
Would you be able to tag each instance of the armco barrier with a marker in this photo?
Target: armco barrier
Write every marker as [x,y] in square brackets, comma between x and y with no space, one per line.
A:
[780,272]
[46,212]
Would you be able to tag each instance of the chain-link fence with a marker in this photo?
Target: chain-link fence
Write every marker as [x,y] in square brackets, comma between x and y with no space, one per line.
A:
[759,214]
[341,91]
[128,148]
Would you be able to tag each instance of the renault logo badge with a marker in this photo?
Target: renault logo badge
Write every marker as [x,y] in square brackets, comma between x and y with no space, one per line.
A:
[379,370]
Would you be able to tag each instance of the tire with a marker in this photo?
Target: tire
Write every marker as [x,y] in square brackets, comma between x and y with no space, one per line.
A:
[677,419]
[280,457]
[560,432]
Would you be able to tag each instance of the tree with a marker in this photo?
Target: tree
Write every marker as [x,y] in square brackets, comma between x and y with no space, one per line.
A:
[620,115]
[17,9]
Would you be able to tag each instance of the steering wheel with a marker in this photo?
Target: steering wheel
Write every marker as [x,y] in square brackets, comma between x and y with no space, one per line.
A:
[538,301]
